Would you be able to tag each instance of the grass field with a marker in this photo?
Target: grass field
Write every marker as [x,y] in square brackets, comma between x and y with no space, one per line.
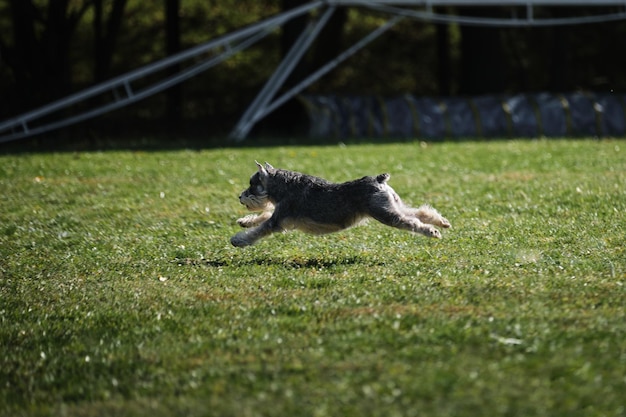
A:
[121,295]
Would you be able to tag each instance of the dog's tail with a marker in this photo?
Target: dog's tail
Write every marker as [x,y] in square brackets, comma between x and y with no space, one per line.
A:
[383,178]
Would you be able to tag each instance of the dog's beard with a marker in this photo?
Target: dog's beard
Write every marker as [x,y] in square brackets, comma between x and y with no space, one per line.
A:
[254,202]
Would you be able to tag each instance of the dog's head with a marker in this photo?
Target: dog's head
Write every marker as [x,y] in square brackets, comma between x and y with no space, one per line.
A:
[256,197]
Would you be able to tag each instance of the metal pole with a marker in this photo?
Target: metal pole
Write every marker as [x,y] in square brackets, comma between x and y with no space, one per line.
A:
[308,35]
[330,65]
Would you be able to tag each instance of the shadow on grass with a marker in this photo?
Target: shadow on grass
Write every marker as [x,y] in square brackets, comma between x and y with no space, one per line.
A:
[291,263]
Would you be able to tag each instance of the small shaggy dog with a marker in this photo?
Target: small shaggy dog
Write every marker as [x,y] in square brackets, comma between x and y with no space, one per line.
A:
[291,200]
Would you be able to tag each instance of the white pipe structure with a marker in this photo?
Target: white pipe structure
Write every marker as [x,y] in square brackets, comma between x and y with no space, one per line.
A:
[26,125]
[20,126]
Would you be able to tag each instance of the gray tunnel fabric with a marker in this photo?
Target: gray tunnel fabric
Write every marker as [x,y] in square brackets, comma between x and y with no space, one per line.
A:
[523,115]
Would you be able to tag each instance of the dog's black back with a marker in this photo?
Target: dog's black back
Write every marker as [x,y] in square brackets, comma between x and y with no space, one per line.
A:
[341,204]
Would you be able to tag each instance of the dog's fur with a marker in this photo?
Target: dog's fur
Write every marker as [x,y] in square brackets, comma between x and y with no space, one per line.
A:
[316,206]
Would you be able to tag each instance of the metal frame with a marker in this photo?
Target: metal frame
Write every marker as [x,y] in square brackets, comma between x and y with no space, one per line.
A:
[262,105]
[465,3]
[20,127]
[24,125]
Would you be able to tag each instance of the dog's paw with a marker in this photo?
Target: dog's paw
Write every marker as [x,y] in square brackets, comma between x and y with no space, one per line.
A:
[247,221]
[445,223]
[240,240]
[432,232]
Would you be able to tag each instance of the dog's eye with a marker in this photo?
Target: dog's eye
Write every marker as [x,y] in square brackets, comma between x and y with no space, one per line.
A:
[259,188]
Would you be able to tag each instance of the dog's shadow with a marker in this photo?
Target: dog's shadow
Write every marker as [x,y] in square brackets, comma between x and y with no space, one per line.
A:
[319,262]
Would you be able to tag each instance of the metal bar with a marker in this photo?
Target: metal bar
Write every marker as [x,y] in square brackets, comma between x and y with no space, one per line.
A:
[159,65]
[329,66]
[482,21]
[203,66]
[470,3]
[129,91]
[285,68]
[140,95]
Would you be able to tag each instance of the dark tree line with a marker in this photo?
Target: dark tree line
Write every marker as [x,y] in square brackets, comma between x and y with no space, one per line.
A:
[51,48]
[106,27]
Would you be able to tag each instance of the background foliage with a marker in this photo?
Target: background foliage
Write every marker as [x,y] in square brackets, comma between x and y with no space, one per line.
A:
[51,48]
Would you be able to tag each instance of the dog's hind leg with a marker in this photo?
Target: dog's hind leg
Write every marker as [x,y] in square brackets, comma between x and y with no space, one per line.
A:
[404,222]
[427,214]
[388,209]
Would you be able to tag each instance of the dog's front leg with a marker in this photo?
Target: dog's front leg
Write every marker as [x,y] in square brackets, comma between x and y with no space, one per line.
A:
[252,220]
[252,235]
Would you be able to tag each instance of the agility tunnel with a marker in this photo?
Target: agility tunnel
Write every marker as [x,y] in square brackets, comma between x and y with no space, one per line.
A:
[522,115]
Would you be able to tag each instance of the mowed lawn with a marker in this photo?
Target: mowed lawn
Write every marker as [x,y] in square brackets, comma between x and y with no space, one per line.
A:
[120,293]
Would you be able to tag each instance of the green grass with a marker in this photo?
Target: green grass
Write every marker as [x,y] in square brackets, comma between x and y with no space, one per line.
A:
[121,295]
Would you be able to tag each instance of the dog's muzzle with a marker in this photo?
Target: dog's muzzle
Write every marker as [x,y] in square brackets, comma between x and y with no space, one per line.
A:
[253,202]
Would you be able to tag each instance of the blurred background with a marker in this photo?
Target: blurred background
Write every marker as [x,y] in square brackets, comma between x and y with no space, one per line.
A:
[49,49]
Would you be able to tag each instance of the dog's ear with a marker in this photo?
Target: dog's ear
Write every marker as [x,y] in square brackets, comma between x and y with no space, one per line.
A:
[268,166]
[263,174]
